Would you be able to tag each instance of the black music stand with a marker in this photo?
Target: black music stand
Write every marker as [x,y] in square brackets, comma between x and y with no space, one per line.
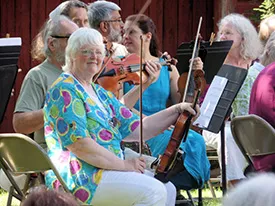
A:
[9,51]
[211,55]
[7,80]
[9,55]
[235,77]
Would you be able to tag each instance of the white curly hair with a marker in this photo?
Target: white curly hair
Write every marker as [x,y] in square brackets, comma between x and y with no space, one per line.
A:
[251,46]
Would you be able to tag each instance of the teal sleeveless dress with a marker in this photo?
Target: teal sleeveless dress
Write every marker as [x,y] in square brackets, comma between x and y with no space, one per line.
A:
[154,99]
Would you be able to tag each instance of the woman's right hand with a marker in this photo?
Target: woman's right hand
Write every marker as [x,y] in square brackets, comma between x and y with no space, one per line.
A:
[136,165]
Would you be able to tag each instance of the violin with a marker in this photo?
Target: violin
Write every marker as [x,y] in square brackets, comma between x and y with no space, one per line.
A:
[170,162]
[127,70]
[196,77]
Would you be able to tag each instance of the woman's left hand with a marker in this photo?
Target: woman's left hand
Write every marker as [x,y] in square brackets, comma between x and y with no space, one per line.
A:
[153,69]
[181,107]
[197,64]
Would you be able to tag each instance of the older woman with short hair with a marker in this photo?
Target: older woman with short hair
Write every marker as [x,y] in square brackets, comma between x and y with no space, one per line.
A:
[246,44]
[84,125]
[246,47]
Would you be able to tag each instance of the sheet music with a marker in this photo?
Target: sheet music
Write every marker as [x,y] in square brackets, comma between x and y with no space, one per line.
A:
[210,101]
[14,41]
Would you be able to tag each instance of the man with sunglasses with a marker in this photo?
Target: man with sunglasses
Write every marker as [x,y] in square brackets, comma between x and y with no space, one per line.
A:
[28,114]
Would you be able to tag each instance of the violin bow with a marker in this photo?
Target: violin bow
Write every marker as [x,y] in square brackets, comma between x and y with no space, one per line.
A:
[140,99]
[143,9]
[192,60]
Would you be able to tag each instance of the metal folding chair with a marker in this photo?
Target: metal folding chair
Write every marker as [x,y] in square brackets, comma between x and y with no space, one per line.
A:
[19,154]
[254,136]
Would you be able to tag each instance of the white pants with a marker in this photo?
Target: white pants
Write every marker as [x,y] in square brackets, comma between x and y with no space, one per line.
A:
[234,159]
[133,189]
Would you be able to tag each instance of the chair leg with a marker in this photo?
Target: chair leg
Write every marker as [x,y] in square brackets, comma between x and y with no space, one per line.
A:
[211,189]
[11,191]
[190,197]
[200,197]
[27,184]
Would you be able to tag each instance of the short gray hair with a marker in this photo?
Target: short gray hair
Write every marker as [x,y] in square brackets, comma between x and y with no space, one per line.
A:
[269,51]
[73,4]
[82,36]
[251,46]
[100,11]
[53,27]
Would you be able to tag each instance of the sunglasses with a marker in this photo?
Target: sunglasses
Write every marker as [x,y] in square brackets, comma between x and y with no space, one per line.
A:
[60,37]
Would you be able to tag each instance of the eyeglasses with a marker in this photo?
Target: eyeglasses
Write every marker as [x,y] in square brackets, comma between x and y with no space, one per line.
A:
[89,53]
[60,37]
[115,20]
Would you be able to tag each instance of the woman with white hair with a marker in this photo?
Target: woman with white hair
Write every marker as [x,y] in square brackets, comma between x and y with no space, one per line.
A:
[246,44]
[84,125]
[246,47]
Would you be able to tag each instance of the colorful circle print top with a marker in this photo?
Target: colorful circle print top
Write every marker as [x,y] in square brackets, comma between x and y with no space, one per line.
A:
[71,114]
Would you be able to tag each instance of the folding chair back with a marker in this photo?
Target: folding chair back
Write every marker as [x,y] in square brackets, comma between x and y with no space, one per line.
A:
[255,138]
[19,154]
[254,134]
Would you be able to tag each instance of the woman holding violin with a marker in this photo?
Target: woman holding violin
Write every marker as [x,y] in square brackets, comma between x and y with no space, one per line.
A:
[84,125]
[155,98]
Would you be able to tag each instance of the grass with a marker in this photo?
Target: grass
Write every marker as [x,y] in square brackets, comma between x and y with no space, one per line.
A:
[208,200]
[207,197]
[4,198]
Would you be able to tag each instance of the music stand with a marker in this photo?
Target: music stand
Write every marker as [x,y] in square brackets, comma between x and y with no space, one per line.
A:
[212,57]
[9,50]
[9,54]
[235,77]
[7,80]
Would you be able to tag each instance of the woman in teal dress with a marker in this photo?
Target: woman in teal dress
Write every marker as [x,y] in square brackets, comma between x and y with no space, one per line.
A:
[84,126]
[155,99]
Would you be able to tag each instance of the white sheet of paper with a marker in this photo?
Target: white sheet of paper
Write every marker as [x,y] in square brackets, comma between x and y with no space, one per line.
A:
[210,101]
[14,41]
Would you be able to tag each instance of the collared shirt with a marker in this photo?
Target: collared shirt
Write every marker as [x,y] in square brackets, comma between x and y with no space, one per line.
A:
[33,91]
[71,114]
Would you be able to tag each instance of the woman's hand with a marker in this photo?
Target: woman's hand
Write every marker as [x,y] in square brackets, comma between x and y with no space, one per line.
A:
[136,165]
[197,64]
[181,107]
[153,69]
[170,59]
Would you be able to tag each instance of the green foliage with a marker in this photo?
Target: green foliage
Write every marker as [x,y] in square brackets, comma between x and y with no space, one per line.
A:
[266,9]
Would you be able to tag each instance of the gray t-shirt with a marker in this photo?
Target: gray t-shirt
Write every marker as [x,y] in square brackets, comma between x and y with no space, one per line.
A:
[33,92]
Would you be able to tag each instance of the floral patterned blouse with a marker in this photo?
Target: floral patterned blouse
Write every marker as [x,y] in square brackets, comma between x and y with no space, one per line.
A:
[240,105]
[71,114]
